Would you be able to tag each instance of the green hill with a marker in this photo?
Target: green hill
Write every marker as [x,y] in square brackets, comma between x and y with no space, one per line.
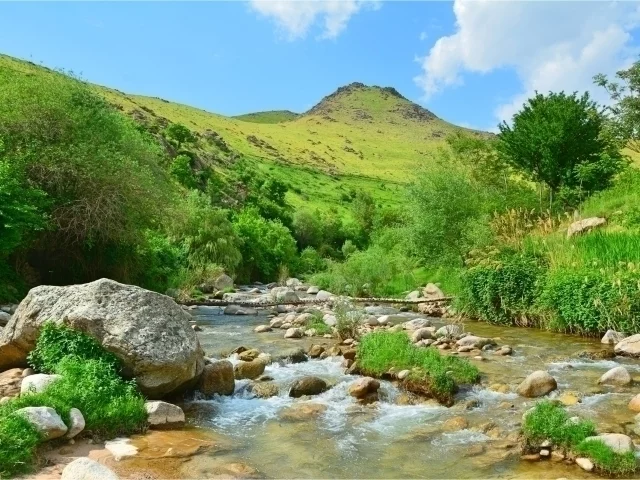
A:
[358,138]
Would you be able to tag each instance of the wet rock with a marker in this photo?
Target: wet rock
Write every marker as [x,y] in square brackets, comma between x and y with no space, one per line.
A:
[616,376]
[569,398]
[77,423]
[292,355]
[250,370]
[584,463]
[147,331]
[294,333]
[634,404]
[262,329]
[163,414]
[315,351]
[37,383]
[532,457]
[454,424]
[449,331]
[611,337]
[10,382]
[585,225]
[597,355]
[249,355]
[308,386]
[416,324]
[312,290]
[302,411]
[537,384]
[364,387]
[239,310]
[46,420]
[629,346]
[264,389]
[217,378]
[86,469]
[474,341]
[616,441]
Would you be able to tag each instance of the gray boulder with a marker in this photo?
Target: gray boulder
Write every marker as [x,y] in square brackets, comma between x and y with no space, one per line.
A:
[616,376]
[449,331]
[77,423]
[37,383]
[84,468]
[324,296]
[46,420]
[537,384]
[147,331]
[583,226]
[629,346]
[163,414]
[611,337]
[618,442]
[222,282]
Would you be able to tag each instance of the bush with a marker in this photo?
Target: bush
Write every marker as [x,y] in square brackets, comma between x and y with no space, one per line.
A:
[502,287]
[439,375]
[311,261]
[18,443]
[549,421]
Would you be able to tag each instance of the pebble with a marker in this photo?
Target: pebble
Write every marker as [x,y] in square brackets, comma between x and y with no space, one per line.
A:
[584,463]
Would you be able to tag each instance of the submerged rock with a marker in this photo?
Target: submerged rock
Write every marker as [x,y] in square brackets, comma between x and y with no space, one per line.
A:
[238,310]
[46,420]
[616,376]
[537,384]
[217,378]
[308,386]
[86,469]
[302,411]
[147,331]
[312,290]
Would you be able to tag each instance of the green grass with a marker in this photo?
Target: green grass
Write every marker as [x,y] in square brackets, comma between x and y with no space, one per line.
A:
[439,374]
[271,116]
[606,460]
[18,445]
[320,327]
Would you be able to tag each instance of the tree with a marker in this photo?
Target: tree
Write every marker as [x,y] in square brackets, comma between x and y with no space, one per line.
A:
[561,140]
[364,211]
[625,111]
[179,133]
[181,169]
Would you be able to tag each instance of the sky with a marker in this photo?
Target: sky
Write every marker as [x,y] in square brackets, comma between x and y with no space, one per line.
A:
[471,62]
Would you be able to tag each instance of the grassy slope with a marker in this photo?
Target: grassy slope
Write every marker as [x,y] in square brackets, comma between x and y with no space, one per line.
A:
[271,116]
[361,138]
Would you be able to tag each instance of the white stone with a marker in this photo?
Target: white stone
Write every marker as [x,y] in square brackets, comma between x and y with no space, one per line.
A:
[37,383]
[163,413]
[584,463]
[616,441]
[611,337]
[616,376]
[84,468]
[324,296]
[416,323]
[330,320]
[77,423]
[46,420]
[583,226]
[294,333]
[312,290]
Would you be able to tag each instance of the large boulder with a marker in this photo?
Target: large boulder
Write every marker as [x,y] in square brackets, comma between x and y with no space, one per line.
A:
[76,423]
[147,331]
[432,292]
[217,379]
[629,346]
[307,386]
[223,281]
[617,442]
[84,468]
[284,295]
[616,376]
[163,414]
[250,370]
[46,420]
[537,384]
[10,382]
[583,226]
[37,383]
[611,337]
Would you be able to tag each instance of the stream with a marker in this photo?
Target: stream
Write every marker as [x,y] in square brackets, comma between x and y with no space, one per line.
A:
[332,436]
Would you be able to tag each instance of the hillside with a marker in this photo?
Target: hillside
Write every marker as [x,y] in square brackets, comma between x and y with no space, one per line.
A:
[357,138]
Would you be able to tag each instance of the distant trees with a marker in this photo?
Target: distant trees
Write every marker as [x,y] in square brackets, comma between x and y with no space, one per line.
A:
[179,134]
[562,141]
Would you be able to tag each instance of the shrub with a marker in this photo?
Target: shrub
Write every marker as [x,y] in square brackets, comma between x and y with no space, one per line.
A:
[348,319]
[310,261]
[502,287]
[438,374]
[181,169]
[549,421]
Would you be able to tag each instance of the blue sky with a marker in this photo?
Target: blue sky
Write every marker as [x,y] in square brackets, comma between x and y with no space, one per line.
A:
[471,63]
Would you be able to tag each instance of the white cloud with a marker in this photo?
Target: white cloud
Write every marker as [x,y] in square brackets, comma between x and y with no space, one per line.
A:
[296,17]
[550,45]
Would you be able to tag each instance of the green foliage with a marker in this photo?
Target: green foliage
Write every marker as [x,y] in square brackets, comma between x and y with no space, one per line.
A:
[503,287]
[380,351]
[607,460]
[549,421]
[308,229]
[348,319]
[266,245]
[179,133]
[59,341]
[318,324]
[18,443]
[561,140]
[181,169]
[310,261]
[348,249]
[363,208]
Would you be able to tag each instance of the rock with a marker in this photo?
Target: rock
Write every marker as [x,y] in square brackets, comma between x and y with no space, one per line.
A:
[330,320]
[634,404]
[238,310]
[4,400]
[315,351]
[217,378]
[249,370]
[611,337]
[473,341]
[262,329]
[276,322]
[413,295]
[420,334]
[302,411]
[416,324]
[27,372]
[4,318]
[294,333]
[249,355]
[311,332]
[364,387]
[403,374]
[10,382]
[293,355]
[584,463]
[293,282]
[537,384]
[618,442]
[454,424]
[223,282]
[432,292]
[629,346]
[312,290]
[147,331]
[164,414]
[532,457]
[583,226]
[37,383]
[616,376]
[76,419]
[307,386]
[196,328]
[264,389]
[449,331]
[324,296]
[284,295]
[46,420]
[569,399]
[84,468]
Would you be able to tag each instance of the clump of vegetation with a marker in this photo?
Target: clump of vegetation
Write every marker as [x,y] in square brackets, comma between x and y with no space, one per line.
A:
[548,420]
[348,319]
[435,374]
[318,324]
[90,382]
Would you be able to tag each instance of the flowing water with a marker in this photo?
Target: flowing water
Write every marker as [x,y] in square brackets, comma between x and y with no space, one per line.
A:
[331,436]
